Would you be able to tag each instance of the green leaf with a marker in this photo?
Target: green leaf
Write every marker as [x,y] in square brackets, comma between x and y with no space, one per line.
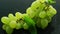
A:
[29,21]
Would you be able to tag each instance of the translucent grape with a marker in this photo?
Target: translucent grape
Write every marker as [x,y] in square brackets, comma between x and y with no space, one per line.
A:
[21,22]
[30,12]
[53,10]
[18,15]
[42,14]
[49,19]
[44,23]
[9,30]
[49,14]
[25,26]
[13,24]
[19,26]
[12,17]
[36,5]
[5,20]
[4,27]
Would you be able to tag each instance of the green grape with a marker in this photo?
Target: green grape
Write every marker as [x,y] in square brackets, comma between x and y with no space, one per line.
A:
[42,14]
[36,5]
[9,30]
[53,10]
[38,22]
[5,20]
[19,26]
[4,27]
[49,14]
[30,12]
[49,19]
[18,15]
[13,24]
[12,17]
[44,23]
[25,26]
[22,22]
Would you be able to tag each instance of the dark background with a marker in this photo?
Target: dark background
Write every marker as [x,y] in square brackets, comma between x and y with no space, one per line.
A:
[12,6]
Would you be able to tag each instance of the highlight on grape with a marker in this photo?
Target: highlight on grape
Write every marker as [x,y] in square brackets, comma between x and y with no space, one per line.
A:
[38,14]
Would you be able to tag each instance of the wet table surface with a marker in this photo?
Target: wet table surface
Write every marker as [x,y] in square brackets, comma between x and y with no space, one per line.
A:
[12,6]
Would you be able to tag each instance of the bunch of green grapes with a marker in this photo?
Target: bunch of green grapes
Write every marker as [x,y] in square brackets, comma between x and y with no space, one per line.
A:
[35,8]
[46,16]
[13,22]
[39,13]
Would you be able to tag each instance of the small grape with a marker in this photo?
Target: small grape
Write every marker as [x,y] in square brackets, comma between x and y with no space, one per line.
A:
[25,26]
[42,14]
[18,15]
[4,27]
[49,19]
[13,24]
[36,5]
[12,17]
[19,26]
[30,12]
[53,10]
[21,22]
[5,20]
[44,23]
[9,30]
[49,14]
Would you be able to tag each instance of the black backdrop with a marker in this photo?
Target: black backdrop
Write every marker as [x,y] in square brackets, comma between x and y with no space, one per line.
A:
[12,6]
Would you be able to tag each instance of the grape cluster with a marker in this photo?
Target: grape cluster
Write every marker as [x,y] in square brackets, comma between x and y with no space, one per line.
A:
[13,22]
[39,13]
